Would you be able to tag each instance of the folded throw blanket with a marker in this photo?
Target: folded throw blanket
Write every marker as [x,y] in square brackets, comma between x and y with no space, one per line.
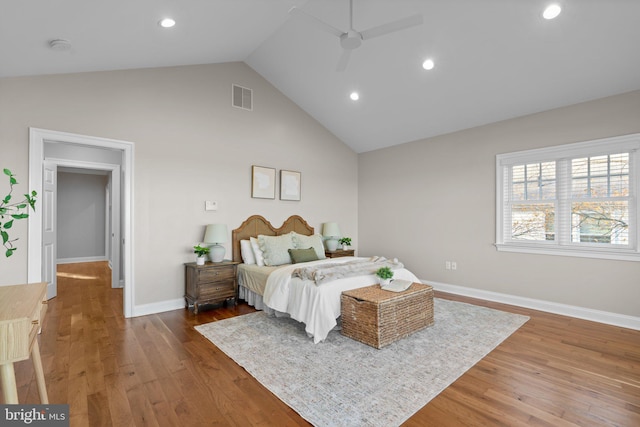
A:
[323,273]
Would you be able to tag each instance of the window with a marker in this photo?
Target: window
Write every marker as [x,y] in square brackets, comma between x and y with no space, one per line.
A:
[577,199]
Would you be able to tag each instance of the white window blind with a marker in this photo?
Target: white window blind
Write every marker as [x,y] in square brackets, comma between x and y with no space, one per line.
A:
[577,199]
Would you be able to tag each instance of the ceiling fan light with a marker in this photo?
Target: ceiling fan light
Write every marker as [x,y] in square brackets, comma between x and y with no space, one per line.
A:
[552,11]
[354,96]
[428,64]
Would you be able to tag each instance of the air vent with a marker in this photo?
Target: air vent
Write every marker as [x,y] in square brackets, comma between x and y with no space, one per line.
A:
[242,97]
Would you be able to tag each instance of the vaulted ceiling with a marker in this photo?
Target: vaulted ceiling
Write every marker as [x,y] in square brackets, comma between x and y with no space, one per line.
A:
[494,59]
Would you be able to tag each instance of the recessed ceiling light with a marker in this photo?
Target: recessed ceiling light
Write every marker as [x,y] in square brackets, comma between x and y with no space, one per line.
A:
[354,96]
[428,64]
[552,11]
[167,23]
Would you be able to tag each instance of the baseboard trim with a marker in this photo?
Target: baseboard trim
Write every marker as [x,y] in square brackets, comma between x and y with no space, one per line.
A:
[606,317]
[81,259]
[158,307]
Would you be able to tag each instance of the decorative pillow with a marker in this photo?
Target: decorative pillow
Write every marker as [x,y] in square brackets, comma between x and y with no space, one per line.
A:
[257,252]
[314,242]
[276,248]
[303,255]
[247,252]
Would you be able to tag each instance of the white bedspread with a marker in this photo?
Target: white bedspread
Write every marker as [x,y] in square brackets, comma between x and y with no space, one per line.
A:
[317,307]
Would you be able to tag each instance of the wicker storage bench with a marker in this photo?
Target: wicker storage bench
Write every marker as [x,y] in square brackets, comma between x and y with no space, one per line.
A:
[377,317]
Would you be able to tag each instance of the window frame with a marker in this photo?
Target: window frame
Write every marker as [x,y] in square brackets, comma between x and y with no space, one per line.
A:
[562,156]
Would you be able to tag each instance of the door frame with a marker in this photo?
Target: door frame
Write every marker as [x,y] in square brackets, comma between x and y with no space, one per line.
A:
[37,139]
[112,222]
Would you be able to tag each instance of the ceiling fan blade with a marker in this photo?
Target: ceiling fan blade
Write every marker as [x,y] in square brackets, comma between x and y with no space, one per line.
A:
[398,25]
[294,11]
[344,60]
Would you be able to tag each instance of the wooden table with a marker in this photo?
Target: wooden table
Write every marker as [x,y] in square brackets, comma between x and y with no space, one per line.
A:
[211,283]
[22,309]
[339,253]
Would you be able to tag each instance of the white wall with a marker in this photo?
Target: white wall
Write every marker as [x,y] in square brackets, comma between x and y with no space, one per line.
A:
[81,215]
[438,196]
[190,146]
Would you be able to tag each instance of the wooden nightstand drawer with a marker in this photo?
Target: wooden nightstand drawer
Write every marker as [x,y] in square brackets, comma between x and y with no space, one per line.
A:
[218,290]
[215,274]
[339,253]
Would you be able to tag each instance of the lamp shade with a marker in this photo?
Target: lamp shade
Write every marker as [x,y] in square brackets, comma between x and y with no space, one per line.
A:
[330,229]
[216,233]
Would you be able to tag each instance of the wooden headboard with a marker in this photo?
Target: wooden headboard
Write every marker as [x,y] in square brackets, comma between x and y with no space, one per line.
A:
[257,224]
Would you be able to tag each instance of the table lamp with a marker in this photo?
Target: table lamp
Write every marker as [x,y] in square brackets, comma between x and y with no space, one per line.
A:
[331,232]
[216,234]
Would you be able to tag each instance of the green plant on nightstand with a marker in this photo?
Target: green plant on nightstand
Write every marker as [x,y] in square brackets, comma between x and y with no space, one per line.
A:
[345,242]
[201,252]
[385,274]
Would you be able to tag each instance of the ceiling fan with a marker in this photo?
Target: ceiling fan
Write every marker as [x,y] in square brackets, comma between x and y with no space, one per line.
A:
[351,39]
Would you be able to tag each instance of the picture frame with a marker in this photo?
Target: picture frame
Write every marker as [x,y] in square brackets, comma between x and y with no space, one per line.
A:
[263,182]
[290,185]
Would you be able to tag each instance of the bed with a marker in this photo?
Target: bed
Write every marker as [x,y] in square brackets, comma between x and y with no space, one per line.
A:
[271,287]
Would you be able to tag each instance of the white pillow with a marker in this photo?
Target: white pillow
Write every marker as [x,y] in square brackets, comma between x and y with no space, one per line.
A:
[247,252]
[276,248]
[305,242]
[257,252]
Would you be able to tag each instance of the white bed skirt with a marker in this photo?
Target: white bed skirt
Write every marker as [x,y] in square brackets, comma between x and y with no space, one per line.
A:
[255,300]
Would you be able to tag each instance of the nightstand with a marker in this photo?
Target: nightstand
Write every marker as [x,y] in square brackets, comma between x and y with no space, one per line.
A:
[338,253]
[211,283]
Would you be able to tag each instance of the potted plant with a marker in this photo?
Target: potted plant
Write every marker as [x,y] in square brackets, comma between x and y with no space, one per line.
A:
[14,211]
[345,242]
[385,274]
[201,252]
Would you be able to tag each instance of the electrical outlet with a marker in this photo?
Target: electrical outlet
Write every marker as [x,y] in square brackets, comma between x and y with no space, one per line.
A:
[210,206]
[447,265]
[454,265]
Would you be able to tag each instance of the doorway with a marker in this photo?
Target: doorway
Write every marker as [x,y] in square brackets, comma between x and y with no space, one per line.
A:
[41,260]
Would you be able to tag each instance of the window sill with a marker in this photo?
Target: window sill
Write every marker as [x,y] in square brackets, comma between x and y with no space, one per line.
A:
[612,254]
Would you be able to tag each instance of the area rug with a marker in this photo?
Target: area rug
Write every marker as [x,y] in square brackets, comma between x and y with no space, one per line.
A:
[341,382]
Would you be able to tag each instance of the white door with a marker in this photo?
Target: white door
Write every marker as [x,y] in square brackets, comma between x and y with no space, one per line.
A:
[49,227]
[114,227]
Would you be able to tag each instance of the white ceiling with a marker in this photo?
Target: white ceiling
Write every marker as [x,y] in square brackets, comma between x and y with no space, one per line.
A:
[495,59]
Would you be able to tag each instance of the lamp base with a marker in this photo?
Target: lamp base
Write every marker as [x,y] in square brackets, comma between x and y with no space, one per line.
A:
[216,253]
[332,244]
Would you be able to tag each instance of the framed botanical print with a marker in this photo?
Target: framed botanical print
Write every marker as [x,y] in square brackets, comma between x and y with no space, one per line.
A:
[289,185]
[263,182]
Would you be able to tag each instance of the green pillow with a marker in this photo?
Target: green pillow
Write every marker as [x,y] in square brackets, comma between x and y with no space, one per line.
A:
[303,255]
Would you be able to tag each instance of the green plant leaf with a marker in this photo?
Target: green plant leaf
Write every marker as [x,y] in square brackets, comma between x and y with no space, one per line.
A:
[9,252]
[12,180]
[8,224]
[5,236]
[6,199]
[19,216]
[7,172]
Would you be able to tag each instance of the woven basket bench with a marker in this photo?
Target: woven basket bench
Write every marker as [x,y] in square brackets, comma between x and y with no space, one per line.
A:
[377,317]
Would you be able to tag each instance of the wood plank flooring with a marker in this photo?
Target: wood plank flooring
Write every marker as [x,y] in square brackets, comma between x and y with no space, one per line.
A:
[158,371]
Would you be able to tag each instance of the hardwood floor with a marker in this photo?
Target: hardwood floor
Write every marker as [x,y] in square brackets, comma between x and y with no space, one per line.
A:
[158,371]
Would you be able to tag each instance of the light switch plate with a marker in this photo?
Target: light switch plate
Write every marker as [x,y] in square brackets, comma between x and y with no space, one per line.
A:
[210,206]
